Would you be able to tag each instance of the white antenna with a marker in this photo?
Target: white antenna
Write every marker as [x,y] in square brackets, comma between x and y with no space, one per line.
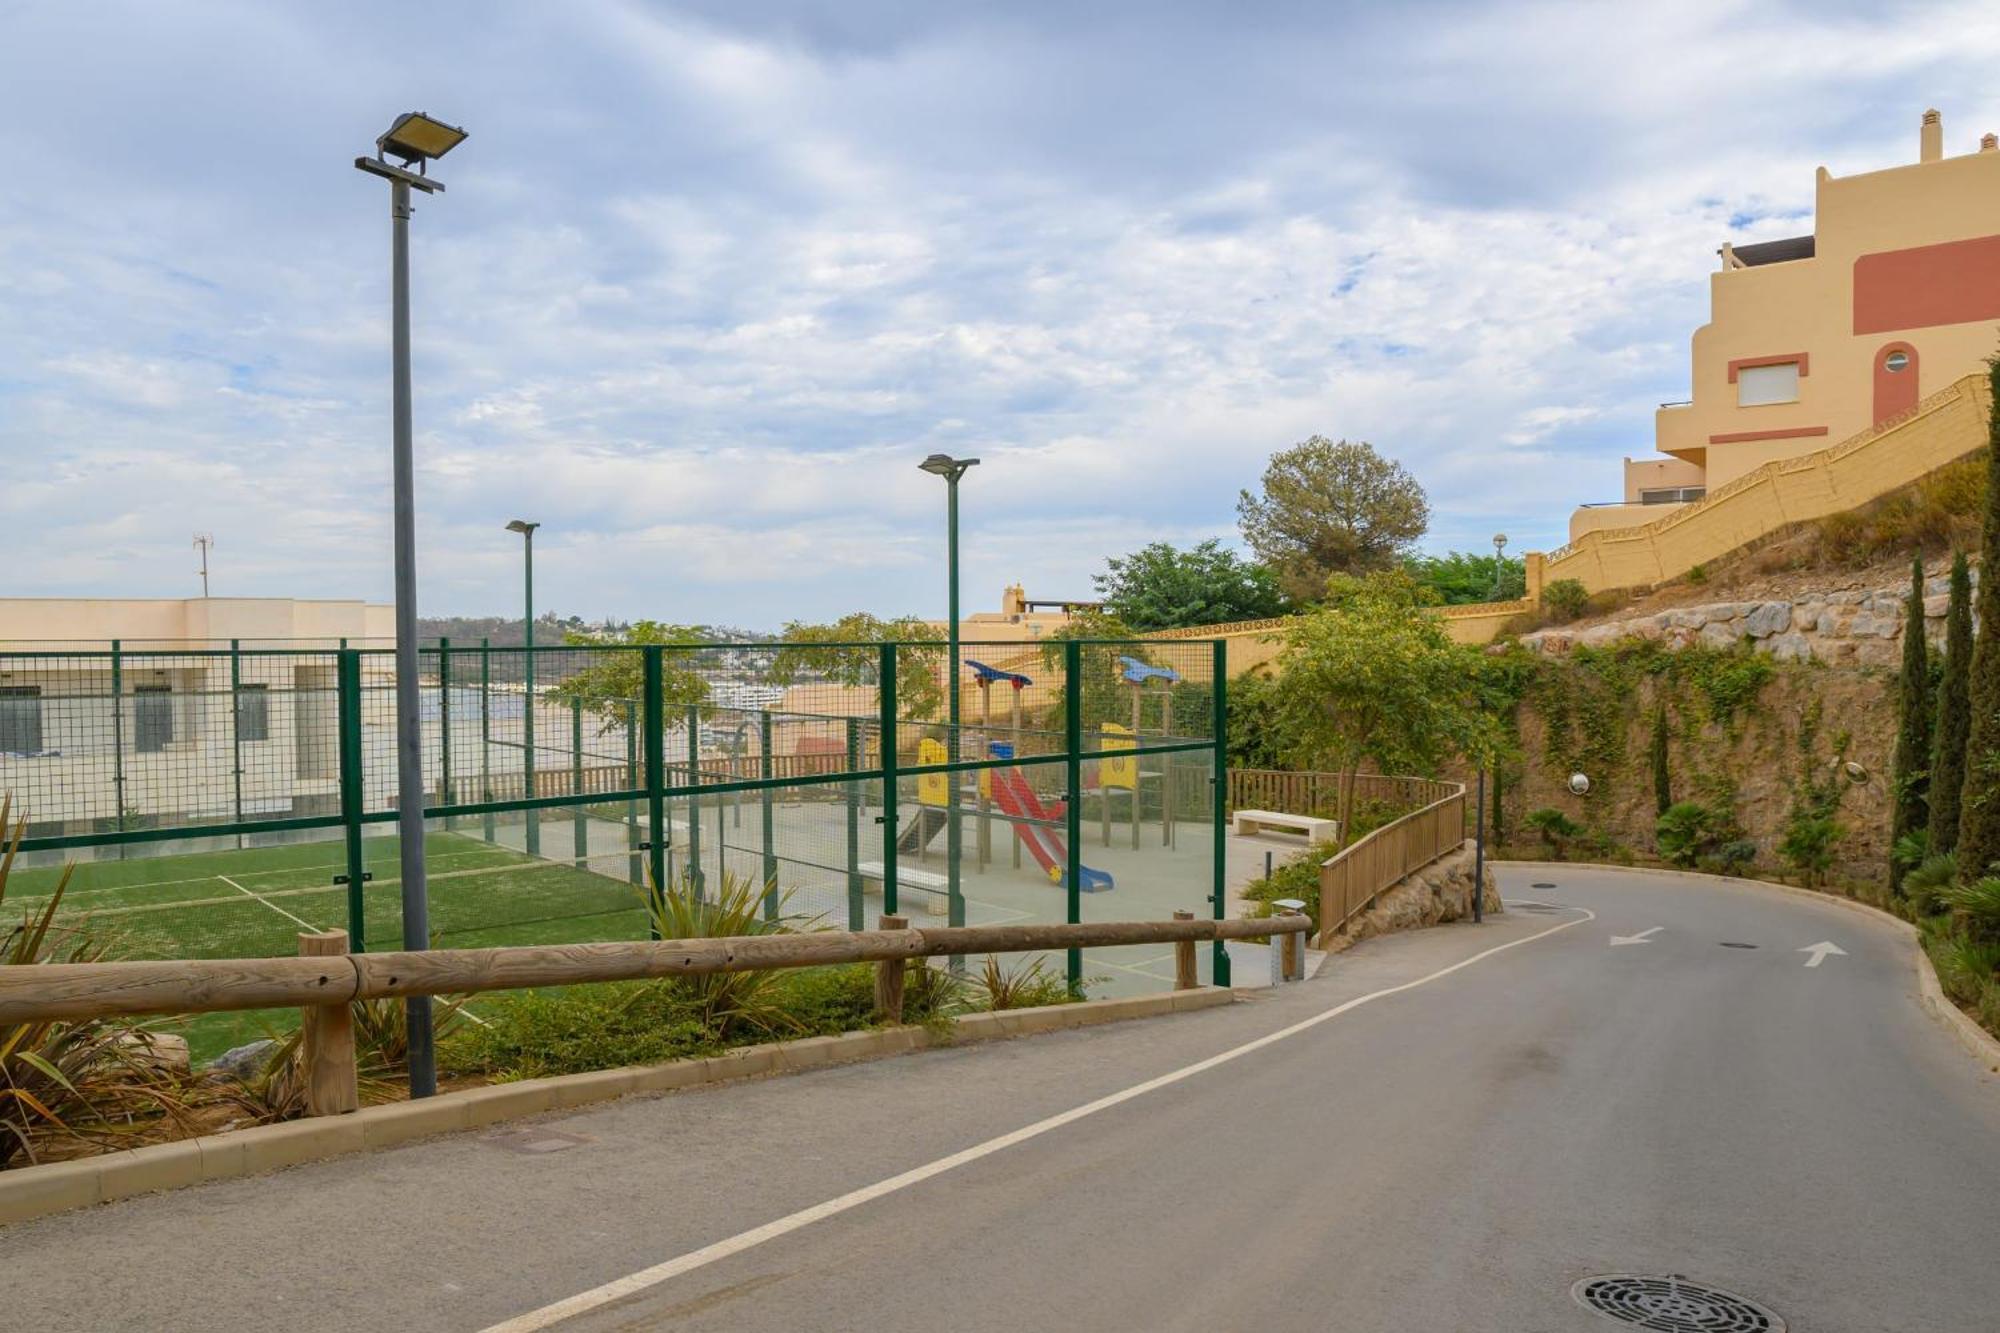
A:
[203,541]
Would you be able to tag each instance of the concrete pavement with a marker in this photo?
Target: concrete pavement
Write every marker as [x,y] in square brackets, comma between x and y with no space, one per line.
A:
[1451,1155]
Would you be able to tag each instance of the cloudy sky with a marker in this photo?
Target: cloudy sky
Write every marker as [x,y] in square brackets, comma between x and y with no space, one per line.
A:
[712,277]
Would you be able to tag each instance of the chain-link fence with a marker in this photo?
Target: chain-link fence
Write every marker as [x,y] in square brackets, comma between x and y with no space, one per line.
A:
[219,800]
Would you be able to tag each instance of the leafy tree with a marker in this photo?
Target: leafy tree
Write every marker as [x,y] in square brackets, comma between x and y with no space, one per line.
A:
[1163,587]
[1557,829]
[614,681]
[1954,711]
[1663,789]
[1331,507]
[1254,737]
[847,652]
[1913,726]
[1979,806]
[1371,677]
[1459,577]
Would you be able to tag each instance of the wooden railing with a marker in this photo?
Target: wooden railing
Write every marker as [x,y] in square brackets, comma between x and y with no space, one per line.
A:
[1319,793]
[1350,880]
[326,978]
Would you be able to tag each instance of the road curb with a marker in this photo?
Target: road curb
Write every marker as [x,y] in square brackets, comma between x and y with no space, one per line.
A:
[37,1191]
[1976,1039]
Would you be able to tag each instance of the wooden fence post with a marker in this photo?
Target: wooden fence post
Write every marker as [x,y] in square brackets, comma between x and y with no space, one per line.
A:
[1295,953]
[889,974]
[327,1039]
[1184,976]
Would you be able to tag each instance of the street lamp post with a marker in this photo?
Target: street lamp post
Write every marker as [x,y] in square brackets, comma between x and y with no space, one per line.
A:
[951,469]
[1499,564]
[414,139]
[532,828]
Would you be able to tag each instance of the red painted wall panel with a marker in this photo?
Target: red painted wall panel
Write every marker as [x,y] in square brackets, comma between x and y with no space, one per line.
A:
[1953,283]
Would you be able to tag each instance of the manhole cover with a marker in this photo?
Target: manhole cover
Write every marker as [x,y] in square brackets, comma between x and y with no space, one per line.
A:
[1542,908]
[534,1140]
[1672,1304]
[1735,944]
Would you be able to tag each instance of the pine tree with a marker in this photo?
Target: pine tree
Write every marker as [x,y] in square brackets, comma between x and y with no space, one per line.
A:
[1979,806]
[1663,790]
[1913,727]
[1953,711]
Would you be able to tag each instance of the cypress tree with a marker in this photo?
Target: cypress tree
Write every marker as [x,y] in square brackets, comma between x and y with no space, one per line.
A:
[1663,790]
[1979,805]
[1954,710]
[1913,726]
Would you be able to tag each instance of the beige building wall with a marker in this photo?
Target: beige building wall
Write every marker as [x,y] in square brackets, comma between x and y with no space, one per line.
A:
[193,621]
[1903,260]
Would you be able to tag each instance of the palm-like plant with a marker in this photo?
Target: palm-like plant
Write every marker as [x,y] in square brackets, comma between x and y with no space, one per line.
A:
[730,905]
[84,1079]
[1556,829]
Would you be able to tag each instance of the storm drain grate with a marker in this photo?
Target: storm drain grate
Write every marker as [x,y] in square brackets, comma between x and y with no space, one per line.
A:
[1672,1304]
[1541,884]
[1736,944]
[1542,908]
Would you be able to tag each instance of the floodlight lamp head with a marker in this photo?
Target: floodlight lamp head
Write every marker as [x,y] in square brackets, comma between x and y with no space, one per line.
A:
[1499,541]
[522,526]
[944,465]
[417,137]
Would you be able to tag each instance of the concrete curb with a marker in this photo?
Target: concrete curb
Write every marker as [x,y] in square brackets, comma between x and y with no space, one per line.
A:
[36,1191]
[1976,1039]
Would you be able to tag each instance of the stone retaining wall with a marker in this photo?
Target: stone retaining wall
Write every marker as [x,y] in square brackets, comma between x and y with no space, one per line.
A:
[1429,896]
[1847,626]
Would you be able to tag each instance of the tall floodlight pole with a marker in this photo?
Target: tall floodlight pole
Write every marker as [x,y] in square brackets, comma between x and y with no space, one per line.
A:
[414,140]
[951,469]
[532,829]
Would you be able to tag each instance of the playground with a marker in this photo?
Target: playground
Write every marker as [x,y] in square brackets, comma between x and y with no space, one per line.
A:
[1055,782]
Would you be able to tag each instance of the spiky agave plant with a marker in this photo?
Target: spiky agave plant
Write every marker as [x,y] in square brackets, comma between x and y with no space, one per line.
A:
[728,906]
[95,1080]
[1027,985]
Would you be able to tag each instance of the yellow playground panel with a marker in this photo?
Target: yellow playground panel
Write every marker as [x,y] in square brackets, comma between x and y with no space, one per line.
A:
[933,789]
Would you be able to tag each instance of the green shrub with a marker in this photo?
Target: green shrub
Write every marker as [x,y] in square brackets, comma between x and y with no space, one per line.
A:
[534,1034]
[733,905]
[1688,831]
[1297,877]
[1556,829]
[1809,842]
[1926,882]
[1965,967]
[1697,575]
[1734,857]
[1565,599]
[1976,908]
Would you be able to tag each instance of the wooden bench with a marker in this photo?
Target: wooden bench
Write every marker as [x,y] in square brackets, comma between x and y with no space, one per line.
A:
[935,888]
[1249,822]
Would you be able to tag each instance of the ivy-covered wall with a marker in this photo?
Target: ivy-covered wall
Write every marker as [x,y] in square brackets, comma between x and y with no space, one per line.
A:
[1756,740]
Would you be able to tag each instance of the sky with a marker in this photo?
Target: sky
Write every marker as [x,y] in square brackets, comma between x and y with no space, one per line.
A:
[710,278]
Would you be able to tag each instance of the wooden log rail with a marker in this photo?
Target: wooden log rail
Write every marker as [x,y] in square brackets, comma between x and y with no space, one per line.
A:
[194,986]
[326,977]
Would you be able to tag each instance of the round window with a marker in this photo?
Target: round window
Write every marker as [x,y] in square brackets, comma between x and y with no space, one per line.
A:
[1896,362]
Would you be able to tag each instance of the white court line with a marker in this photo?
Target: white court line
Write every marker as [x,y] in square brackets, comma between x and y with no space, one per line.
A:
[632,1284]
[267,902]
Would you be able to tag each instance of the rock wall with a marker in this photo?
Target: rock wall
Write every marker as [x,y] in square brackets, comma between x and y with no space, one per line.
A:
[1434,894]
[1843,627]
[1752,767]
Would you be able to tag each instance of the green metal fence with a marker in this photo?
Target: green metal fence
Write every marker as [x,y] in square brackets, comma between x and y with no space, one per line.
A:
[217,800]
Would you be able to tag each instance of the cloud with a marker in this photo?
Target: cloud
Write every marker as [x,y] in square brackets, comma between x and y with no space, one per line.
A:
[710,278]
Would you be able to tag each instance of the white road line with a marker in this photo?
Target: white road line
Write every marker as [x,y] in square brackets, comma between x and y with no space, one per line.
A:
[632,1284]
[267,902]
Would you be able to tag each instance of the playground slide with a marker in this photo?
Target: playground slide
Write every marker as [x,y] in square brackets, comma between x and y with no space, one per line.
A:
[1018,802]
[923,830]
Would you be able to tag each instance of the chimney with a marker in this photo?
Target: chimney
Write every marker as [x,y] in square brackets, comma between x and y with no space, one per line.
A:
[1989,143]
[1930,139]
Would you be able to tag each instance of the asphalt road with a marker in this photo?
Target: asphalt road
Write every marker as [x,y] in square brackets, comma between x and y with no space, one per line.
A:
[1452,1155]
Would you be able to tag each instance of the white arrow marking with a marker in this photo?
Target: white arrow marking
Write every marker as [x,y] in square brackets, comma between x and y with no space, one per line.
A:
[1821,950]
[1641,938]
